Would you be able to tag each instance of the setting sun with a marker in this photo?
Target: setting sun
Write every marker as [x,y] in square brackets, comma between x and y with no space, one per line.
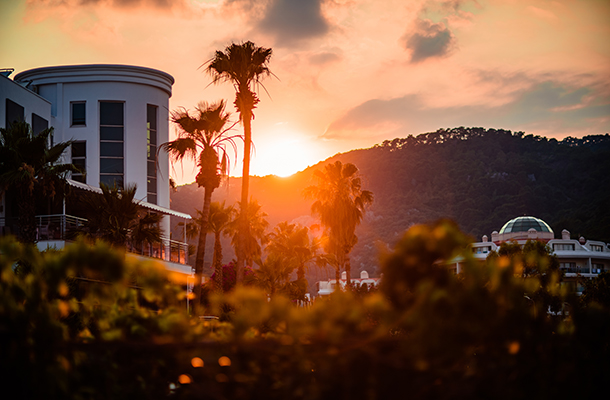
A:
[287,154]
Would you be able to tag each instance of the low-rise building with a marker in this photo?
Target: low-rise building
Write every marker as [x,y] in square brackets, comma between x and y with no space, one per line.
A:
[578,258]
[324,288]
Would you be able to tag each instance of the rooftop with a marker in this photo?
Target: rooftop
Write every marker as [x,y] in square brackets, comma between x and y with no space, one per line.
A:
[523,224]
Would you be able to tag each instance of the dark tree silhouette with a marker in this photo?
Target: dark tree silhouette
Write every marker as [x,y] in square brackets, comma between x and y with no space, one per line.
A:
[340,203]
[27,162]
[202,136]
[244,65]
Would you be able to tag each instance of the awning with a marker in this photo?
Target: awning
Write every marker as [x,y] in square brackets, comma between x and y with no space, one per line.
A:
[150,206]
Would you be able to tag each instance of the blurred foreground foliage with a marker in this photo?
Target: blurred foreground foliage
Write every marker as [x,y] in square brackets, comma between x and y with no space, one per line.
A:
[427,334]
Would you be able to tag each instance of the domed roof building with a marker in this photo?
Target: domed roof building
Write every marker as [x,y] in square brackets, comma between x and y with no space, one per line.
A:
[523,228]
[578,258]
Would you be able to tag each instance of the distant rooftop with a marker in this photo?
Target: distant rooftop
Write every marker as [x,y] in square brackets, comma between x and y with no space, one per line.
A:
[6,72]
[523,224]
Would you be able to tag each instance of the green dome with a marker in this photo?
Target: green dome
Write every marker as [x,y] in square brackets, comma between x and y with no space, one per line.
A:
[523,224]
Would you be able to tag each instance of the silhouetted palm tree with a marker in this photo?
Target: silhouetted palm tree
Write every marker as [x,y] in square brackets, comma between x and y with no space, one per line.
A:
[340,203]
[116,218]
[243,65]
[291,242]
[257,225]
[202,137]
[273,274]
[28,162]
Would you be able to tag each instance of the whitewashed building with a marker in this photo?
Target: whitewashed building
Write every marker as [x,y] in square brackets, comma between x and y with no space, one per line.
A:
[324,288]
[582,258]
[116,115]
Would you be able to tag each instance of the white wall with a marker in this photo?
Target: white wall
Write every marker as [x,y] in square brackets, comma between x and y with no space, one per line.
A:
[136,87]
[25,98]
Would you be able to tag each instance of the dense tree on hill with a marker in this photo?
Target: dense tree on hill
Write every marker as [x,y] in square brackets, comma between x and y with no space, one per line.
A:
[480,178]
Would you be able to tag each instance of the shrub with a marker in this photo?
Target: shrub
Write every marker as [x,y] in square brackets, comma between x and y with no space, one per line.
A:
[427,334]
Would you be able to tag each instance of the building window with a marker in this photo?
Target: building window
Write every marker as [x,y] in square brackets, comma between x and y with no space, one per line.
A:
[598,268]
[78,113]
[481,250]
[151,160]
[573,268]
[596,247]
[111,143]
[79,159]
[14,113]
[39,124]
[563,246]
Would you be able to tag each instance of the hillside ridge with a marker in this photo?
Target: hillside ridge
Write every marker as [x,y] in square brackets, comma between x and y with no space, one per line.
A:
[480,178]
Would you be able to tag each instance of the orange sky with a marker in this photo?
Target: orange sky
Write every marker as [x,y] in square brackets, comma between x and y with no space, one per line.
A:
[351,73]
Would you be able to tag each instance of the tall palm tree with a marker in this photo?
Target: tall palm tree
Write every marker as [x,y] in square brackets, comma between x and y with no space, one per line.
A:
[220,218]
[291,242]
[250,246]
[340,203]
[244,65]
[115,217]
[273,274]
[27,162]
[203,137]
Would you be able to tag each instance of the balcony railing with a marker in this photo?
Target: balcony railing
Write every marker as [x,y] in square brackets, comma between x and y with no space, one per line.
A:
[63,227]
[576,270]
[168,250]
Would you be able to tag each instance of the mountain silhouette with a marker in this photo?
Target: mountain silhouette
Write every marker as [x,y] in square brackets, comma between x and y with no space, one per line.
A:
[480,178]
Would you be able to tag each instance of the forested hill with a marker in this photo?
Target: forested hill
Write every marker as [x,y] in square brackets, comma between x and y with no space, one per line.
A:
[479,178]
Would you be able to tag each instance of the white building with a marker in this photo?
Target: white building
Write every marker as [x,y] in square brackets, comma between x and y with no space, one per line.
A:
[324,288]
[116,115]
[577,258]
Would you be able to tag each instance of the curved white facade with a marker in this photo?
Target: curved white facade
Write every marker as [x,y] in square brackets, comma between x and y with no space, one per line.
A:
[116,116]
[76,89]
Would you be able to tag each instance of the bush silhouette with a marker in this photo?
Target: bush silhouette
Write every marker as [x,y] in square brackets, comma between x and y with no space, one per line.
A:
[427,334]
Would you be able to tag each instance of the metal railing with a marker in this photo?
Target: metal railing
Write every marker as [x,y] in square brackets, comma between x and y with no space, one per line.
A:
[58,227]
[67,227]
[576,270]
[168,250]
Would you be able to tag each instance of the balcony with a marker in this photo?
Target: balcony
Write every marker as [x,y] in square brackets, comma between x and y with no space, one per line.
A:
[55,230]
[576,270]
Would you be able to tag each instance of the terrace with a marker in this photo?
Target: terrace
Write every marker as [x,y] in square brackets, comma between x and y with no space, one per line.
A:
[58,229]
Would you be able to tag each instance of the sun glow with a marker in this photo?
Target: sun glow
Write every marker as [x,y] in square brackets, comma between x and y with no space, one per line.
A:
[285,154]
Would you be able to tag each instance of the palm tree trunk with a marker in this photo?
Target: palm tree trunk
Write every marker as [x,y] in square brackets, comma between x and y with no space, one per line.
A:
[341,263]
[199,259]
[338,278]
[245,185]
[301,272]
[348,271]
[218,262]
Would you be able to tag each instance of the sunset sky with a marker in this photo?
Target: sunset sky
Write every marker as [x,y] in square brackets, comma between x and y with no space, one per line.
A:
[350,73]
